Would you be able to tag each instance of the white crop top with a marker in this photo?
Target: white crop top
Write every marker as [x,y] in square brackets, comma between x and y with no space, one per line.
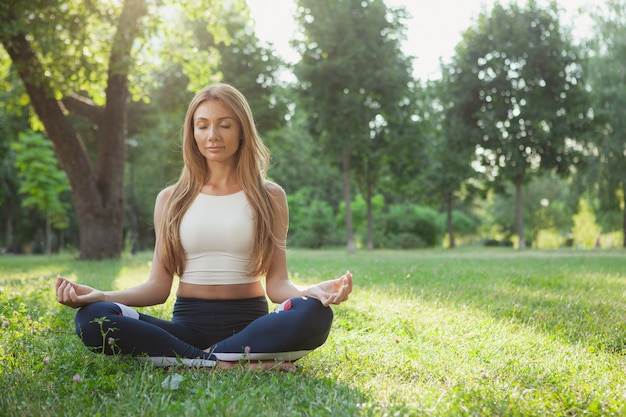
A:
[217,233]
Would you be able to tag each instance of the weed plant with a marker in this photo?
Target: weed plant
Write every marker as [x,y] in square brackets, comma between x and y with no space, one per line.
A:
[464,332]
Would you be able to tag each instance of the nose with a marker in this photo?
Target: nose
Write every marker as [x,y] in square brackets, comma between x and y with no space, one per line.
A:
[213,133]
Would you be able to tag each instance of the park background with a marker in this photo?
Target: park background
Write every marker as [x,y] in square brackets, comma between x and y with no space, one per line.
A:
[518,140]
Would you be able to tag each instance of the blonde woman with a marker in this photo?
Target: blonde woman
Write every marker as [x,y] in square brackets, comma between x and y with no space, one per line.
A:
[221,229]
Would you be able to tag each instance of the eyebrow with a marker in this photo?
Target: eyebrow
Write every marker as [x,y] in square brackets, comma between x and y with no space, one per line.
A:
[219,119]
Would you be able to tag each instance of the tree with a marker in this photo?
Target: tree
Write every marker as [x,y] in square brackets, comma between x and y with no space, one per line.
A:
[45,42]
[42,181]
[450,147]
[352,78]
[523,88]
[608,80]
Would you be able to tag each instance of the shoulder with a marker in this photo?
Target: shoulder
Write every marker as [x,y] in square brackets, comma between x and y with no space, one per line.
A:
[164,195]
[275,190]
[278,195]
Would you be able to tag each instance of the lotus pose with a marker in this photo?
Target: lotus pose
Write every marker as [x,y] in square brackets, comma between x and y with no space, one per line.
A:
[221,229]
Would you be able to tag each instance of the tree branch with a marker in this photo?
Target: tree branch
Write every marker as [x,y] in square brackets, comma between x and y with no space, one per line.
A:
[120,61]
[84,107]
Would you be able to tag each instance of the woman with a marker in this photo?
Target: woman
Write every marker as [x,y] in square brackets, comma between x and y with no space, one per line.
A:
[220,228]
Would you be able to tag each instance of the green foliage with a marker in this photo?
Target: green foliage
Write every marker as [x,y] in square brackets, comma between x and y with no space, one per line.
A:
[409,226]
[9,128]
[352,80]
[63,55]
[401,225]
[42,181]
[462,223]
[524,90]
[359,213]
[312,222]
[469,332]
[352,70]
[606,168]
[246,63]
[408,142]
[298,161]
[549,204]
[520,94]
[153,157]
[451,147]
[585,230]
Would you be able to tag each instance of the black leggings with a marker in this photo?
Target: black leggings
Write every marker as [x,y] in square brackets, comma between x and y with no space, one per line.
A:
[234,329]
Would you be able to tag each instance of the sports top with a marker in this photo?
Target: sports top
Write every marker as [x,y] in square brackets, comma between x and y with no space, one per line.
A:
[217,234]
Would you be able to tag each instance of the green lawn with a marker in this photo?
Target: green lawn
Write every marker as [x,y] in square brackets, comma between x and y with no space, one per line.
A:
[477,331]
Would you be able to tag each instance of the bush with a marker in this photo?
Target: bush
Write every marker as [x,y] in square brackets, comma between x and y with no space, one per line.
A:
[409,226]
[495,242]
[462,224]
[405,241]
[312,223]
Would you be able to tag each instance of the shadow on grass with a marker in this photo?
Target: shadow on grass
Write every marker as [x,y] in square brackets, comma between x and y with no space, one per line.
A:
[575,296]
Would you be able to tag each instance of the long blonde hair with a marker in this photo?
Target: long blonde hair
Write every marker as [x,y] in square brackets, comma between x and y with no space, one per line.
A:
[252,160]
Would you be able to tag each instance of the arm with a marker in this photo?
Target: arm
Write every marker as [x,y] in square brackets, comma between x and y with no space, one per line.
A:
[155,290]
[278,285]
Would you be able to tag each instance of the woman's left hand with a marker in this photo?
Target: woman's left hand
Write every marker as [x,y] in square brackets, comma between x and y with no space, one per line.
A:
[334,291]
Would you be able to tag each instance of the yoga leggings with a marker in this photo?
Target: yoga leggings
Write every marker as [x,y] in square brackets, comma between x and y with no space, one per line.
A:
[233,329]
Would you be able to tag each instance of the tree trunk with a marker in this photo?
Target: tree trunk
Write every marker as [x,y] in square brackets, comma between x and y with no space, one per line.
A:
[370,216]
[348,200]
[519,219]
[449,197]
[61,237]
[8,228]
[134,227]
[97,193]
[624,217]
[48,236]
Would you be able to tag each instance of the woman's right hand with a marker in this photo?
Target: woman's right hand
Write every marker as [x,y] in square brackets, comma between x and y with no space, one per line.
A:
[76,295]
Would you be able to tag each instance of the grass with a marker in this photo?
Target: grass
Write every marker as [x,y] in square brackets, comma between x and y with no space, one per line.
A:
[468,332]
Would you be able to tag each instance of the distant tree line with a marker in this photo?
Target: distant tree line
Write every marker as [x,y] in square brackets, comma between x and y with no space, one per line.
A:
[520,141]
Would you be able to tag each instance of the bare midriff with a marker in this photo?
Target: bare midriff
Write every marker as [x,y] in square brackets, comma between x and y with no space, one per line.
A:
[220,292]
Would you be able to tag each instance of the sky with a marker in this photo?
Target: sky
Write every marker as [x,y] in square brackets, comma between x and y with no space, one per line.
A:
[433,30]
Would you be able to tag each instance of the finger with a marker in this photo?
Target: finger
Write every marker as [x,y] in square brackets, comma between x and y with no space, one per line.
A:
[61,290]
[346,285]
[343,294]
[349,281]
[67,293]
[57,288]
[325,300]
[72,294]
[336,298]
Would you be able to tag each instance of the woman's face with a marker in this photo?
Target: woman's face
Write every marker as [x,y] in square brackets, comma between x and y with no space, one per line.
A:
[216,131]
